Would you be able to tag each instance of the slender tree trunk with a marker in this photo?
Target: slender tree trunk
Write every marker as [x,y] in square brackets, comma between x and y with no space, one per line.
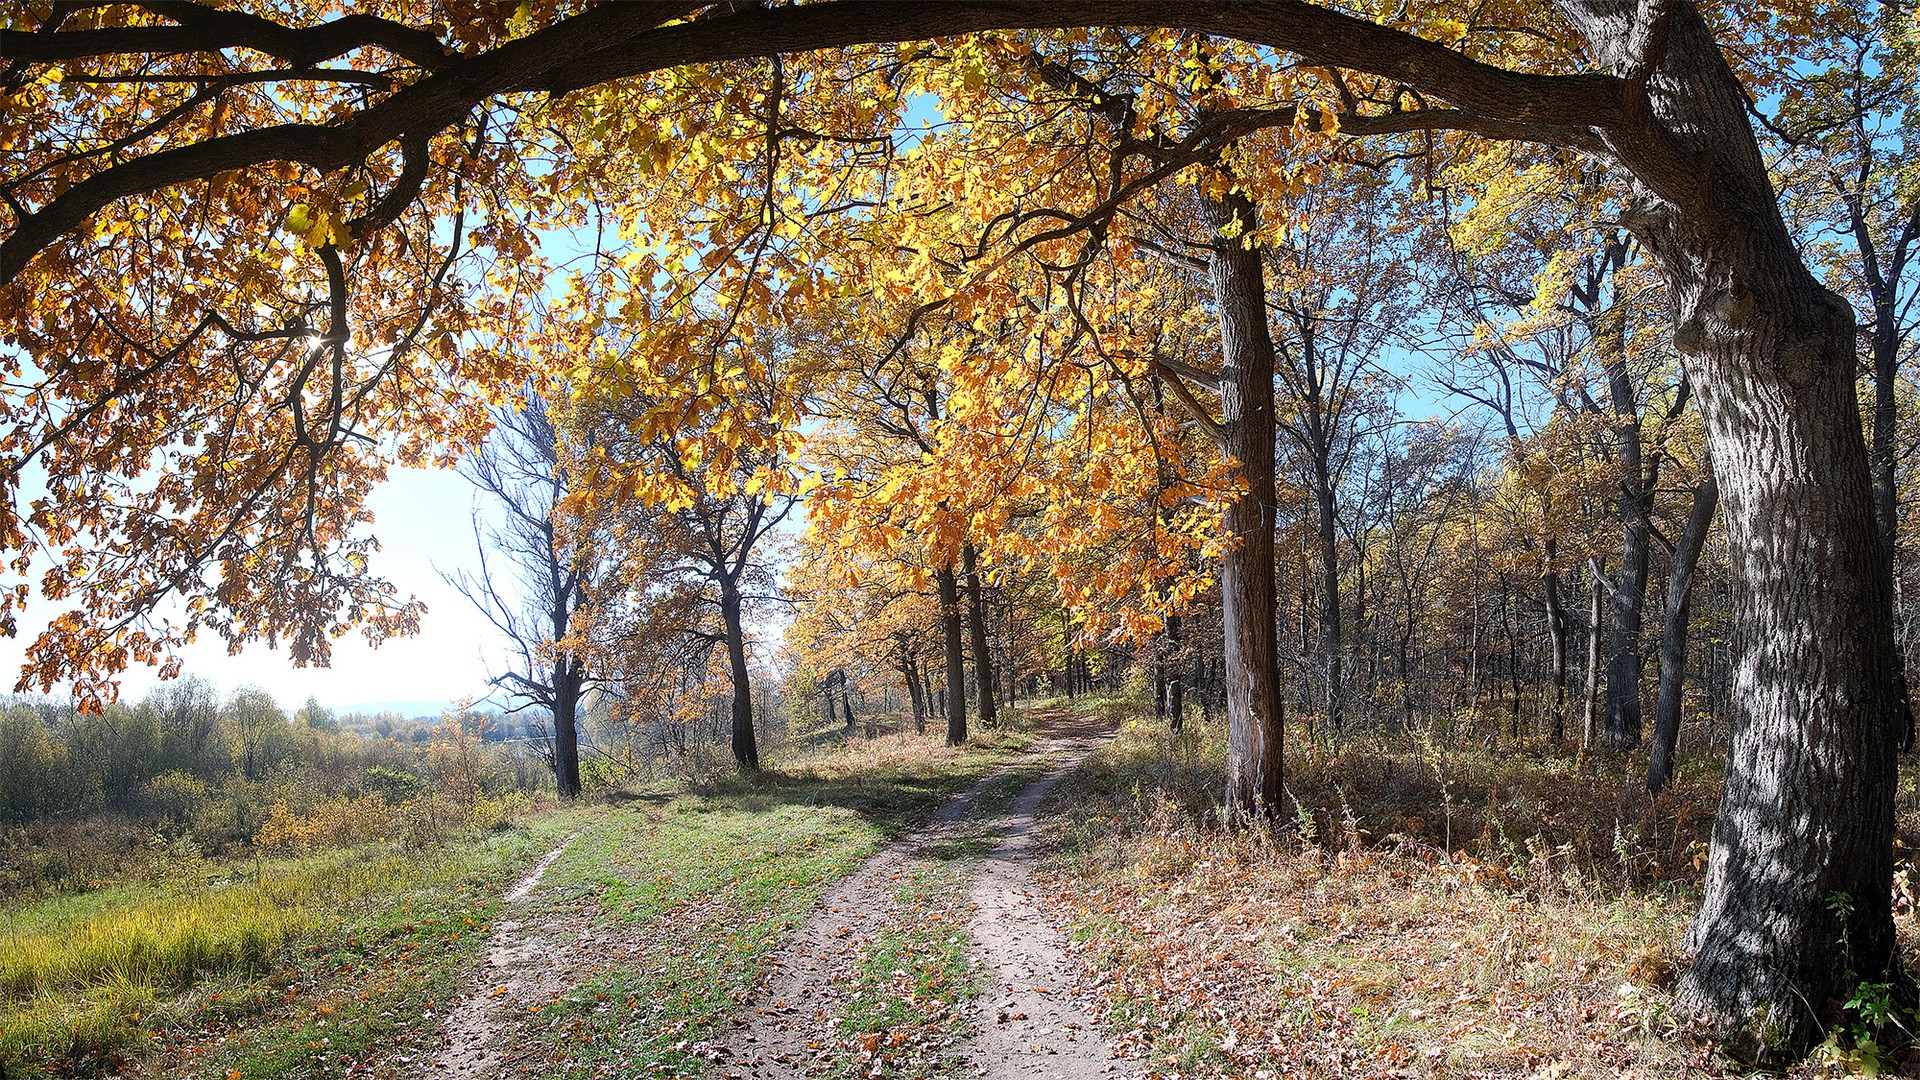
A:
[1246,580]
[745,752]
[1176,690]
[1513,657]
[1332,642]
[1673,636]
[1884,455]
[1590,716]
[910,671]
[982,651]
[1557,639]
[956,656]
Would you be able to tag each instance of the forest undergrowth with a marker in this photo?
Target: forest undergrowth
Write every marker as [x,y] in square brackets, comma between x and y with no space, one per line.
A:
[1426,910]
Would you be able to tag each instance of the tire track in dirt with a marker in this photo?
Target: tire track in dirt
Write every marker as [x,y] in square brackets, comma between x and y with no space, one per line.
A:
[790,1030]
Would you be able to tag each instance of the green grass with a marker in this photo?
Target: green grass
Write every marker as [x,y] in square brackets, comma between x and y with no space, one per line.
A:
[343,961]
[93,980]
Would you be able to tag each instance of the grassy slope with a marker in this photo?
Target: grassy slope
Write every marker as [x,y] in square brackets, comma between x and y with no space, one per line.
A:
[256,966]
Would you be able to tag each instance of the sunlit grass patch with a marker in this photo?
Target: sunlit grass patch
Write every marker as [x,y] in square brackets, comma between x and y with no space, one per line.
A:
[96,979]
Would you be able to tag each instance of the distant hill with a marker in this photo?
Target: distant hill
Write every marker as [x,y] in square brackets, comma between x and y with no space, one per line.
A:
[412,710]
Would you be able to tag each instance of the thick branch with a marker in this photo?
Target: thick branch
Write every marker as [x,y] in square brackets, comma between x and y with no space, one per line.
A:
[615,41]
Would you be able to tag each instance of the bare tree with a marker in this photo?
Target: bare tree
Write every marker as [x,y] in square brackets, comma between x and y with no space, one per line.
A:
[519,470]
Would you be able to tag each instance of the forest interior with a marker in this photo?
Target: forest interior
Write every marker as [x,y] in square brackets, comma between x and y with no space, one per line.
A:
[1088,538]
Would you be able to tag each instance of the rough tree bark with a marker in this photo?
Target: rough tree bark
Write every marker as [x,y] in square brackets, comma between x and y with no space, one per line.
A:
[1246,580]
[1798,891]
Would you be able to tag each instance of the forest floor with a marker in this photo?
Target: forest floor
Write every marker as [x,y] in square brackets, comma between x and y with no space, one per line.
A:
[1053,900]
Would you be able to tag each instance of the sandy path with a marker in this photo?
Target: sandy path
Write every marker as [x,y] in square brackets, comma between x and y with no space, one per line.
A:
[790,1031]
[1030,1021]
[520,967]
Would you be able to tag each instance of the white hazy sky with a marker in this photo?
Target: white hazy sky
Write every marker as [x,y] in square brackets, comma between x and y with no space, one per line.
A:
[424,519]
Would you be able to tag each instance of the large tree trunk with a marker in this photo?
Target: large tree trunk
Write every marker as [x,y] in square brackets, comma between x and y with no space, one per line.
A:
[1246,581]
[1673,636]
[982,652]
[956,656]
[566,727]
[1798,891]
[745,752]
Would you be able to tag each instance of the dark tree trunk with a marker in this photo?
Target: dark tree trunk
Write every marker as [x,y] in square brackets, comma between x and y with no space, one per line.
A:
[1332,641]
[1797,901]
[745,751]
[1884,454]
[1513,658]
[1253,683]
[1673,635]
[566,727]
[1633,505]
[909,670]
[956,656]
[982,652]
